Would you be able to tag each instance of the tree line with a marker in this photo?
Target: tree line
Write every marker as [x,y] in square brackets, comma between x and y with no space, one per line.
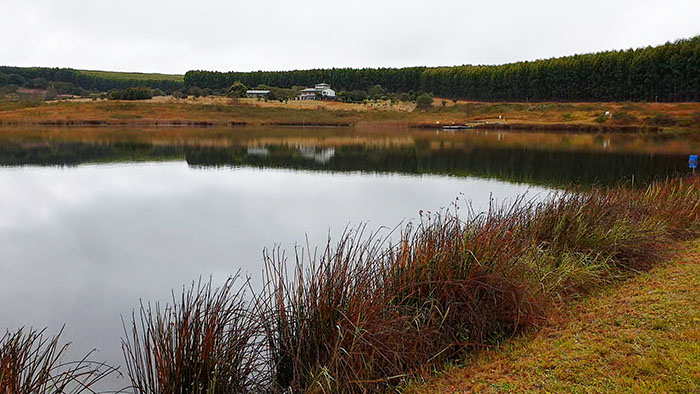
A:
[349,79]
[42,77]
[669,73]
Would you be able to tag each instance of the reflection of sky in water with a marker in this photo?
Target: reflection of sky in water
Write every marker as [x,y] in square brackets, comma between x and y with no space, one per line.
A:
[81,245]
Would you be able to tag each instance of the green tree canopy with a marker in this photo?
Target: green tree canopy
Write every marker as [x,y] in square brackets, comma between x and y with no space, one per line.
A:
[669,72]
[425,100]
[237,90]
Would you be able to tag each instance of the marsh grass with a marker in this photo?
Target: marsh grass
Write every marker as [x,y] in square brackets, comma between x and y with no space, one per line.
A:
[325,318]
[363,314]
[31,362]
[206,341]
[371,310]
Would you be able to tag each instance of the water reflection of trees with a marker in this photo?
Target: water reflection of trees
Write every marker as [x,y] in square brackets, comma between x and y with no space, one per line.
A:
[74,153]
[510,163]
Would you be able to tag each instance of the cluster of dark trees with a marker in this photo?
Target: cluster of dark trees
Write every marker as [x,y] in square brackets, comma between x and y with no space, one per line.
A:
[669,72]
[13,78]
[376,92]
[71,81]
[135,93]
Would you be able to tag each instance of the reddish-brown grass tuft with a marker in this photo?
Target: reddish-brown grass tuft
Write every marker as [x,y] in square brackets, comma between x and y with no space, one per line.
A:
[362,315]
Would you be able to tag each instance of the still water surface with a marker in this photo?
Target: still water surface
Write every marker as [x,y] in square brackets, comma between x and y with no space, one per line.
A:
[93,220]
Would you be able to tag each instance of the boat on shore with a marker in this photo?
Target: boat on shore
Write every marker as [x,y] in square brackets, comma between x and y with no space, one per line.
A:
[457,127]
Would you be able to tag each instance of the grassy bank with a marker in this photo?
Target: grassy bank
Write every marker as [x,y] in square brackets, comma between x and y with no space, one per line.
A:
[573,117]
[361,315]
[641,337]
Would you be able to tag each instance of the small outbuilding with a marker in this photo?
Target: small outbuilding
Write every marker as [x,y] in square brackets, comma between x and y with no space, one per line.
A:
[257,93]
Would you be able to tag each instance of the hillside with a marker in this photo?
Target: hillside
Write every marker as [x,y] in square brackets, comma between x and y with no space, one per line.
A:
[135,76]
[80,82]
[665,73]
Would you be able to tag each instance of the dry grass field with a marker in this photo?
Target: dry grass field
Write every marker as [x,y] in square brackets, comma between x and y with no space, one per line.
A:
[670,117]
[294,104]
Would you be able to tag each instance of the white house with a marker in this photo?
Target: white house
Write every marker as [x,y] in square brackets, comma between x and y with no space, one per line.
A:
[322,91]
[257,93]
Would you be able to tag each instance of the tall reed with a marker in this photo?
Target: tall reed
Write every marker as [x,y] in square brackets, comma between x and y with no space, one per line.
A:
[363,314]
[31,363]
[207,341]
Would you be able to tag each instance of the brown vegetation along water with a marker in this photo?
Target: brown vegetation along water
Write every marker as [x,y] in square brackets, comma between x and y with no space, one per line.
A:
[208,341]
[31,362]
[208,111]
[362,315]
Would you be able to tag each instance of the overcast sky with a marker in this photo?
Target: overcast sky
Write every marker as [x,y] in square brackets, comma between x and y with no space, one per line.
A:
[173,36]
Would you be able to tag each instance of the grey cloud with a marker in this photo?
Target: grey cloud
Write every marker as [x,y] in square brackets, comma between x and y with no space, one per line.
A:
[174,36]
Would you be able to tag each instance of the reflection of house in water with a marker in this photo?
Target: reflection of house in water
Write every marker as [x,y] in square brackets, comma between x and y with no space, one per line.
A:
[320,156]
[255,151]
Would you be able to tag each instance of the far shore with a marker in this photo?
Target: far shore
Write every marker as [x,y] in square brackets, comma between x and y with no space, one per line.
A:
[625,117]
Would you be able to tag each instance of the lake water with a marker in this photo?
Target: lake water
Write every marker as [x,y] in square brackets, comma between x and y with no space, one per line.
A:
[93,220]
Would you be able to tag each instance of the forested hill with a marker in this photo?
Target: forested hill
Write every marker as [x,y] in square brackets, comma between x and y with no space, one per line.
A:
[40,77]
[393,79]
[669,72]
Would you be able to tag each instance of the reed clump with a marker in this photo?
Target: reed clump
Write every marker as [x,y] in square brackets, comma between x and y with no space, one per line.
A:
[206,341]
[364,314]
[31,363]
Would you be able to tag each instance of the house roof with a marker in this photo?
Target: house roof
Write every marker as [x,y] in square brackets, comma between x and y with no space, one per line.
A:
[257,91]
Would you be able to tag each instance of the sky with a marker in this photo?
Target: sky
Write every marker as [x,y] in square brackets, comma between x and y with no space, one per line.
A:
[174,36]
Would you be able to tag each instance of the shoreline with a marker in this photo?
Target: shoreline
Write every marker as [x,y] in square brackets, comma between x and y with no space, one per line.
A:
[549,127]
[535,127]
[213,111]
